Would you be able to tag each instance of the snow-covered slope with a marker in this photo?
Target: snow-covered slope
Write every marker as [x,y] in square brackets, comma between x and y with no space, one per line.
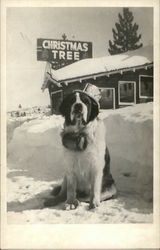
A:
[36,163]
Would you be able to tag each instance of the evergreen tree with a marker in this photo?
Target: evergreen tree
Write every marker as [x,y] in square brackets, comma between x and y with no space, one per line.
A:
[125,35]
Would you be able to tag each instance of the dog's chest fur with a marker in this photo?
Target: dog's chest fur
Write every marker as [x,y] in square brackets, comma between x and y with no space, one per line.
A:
[81,164]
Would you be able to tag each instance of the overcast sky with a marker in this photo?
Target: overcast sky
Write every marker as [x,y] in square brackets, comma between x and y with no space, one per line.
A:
[25,25]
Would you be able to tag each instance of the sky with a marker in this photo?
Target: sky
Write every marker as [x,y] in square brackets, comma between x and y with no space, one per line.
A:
[24,74]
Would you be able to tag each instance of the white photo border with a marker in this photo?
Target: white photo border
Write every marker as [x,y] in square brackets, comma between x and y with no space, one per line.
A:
[95,236]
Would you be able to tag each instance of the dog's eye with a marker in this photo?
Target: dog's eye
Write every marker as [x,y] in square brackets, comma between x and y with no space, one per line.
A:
[72,100]
[85,100]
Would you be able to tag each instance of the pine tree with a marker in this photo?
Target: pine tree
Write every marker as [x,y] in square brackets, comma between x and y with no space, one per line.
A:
[125,35]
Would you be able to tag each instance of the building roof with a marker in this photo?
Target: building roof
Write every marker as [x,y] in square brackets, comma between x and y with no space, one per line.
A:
[101,65]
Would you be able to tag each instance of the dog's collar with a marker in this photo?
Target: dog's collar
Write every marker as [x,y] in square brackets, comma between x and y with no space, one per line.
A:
[75,141]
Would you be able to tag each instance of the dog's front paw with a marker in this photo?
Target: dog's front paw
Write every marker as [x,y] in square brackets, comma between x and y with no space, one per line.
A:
[71,205]
[94,203]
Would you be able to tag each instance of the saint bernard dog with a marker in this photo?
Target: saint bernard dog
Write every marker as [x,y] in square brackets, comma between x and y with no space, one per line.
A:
[87,175]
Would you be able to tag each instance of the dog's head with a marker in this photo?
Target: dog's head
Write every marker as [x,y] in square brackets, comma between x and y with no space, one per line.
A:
[79,107]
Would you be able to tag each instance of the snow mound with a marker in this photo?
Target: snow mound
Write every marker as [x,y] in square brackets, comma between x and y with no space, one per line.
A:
[36,147]
[36,164]
[130,140]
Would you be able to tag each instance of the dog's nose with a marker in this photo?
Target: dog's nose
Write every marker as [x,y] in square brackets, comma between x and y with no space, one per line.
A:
[78,107]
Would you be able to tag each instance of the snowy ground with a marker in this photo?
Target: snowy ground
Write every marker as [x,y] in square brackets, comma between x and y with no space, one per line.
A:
[35,165]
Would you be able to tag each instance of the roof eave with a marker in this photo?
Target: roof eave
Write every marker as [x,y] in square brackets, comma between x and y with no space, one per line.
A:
[107,73]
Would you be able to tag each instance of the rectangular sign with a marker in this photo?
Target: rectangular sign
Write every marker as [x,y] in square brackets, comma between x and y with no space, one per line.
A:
[62,52]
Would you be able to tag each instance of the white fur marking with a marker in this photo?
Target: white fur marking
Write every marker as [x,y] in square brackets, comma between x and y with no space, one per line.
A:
[89,161]
[84,108]
[78,100]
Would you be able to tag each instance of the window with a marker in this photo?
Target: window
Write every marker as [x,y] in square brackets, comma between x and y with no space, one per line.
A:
[146,86]
[127,92]
[107,100]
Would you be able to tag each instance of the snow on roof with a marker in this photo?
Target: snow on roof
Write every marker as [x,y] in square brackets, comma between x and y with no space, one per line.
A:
[106,64]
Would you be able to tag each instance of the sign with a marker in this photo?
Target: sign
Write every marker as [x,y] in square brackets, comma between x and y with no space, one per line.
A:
[62,52]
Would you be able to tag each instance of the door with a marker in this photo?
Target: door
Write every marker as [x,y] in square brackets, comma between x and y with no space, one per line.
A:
[57,98]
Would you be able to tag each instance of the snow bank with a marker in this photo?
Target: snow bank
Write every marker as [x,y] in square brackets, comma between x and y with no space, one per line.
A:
[36,163]
[130,140]
[14,122]
[36,149]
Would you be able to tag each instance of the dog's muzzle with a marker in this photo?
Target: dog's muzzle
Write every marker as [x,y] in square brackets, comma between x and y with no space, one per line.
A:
[78,107]
[79,112]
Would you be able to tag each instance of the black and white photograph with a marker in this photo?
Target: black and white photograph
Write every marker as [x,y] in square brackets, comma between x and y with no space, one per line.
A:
[80,112]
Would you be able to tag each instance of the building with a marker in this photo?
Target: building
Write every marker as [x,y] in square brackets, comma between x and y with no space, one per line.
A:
[123,79]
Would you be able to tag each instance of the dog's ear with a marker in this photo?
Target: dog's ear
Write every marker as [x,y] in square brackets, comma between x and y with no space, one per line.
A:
[94,110]
[65,108]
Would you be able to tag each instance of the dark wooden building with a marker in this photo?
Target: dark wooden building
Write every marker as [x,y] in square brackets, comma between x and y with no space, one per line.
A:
[123,79]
